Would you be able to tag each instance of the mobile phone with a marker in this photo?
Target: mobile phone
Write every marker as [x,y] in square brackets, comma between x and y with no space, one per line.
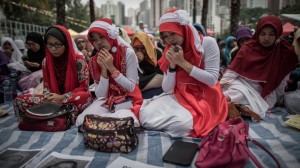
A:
[176,49]
[181,153]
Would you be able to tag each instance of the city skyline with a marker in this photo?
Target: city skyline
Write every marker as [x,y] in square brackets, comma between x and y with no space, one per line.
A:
[128,4]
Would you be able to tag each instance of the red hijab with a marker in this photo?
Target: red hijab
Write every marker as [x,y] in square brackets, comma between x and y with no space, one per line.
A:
[118,63]
[116,92]
[267,65]
[50,72]
[207,104]
[191,54]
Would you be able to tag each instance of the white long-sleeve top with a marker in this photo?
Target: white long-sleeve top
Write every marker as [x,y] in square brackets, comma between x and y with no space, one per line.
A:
[128,82]
[209,75]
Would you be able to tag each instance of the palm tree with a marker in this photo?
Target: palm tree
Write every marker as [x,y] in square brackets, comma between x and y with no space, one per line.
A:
[92,11]
[234,15]
[61,12]
[204,13]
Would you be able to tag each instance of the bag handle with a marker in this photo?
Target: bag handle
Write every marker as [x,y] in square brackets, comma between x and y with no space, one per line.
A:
[66,108]
[250,154]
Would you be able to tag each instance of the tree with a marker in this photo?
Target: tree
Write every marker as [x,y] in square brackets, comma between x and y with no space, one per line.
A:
[43,13]
[291,9]
[250,16]
[92,11]
[79,12]
[234,15]
[61,12]
[21,14]
[204,13]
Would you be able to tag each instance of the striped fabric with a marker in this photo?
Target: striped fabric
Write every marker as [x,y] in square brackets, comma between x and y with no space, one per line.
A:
[271,132]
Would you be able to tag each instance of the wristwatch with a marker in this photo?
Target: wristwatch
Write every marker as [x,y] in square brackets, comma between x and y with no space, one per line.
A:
[172,69]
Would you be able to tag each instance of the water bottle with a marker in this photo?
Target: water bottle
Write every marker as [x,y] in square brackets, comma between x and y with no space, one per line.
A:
[8,97]
[14,83]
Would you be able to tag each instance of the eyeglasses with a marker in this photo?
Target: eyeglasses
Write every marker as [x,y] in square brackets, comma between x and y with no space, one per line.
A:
[50,46]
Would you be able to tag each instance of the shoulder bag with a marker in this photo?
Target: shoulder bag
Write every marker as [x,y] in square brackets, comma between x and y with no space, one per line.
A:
[49,117]
[226,146]
[108,134]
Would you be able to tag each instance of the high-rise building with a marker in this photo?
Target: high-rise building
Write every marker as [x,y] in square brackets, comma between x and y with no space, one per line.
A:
[120,14]
[177,4]
[257,3]
[132,19]
[144,13]
[158,8]
[222,22]
[109,10]
[254,3]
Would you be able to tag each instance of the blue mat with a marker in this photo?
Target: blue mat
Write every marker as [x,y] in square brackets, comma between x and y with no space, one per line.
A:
[271,132]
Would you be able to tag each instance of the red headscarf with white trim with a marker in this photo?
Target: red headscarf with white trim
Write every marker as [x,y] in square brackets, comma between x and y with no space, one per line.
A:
[177,21]
[207,104]
[116,92]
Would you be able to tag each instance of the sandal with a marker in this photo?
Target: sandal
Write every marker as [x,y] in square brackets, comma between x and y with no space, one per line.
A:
[233,112]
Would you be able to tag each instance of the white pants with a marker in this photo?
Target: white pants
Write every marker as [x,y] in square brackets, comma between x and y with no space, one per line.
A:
[97,109]
[164,113]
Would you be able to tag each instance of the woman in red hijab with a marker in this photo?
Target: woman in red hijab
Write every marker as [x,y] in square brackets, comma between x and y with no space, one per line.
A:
[114,70]
[192,103]
[65,75]
[254,77]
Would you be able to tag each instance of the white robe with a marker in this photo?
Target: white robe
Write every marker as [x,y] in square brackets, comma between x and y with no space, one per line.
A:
[291,101]
[247,92]
[163,112]
[128,82]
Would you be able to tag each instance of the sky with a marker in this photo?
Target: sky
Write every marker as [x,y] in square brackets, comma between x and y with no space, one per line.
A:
[128,3]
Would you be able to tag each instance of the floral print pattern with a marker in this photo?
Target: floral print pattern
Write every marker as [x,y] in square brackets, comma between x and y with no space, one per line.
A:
[109,134]
[80,97]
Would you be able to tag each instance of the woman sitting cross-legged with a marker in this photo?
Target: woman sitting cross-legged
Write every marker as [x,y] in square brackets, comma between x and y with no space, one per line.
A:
[255,80]
[192,103]
[65,75]
[114,70]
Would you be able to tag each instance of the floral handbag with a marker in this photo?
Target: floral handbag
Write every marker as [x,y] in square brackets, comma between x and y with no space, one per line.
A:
[108,134]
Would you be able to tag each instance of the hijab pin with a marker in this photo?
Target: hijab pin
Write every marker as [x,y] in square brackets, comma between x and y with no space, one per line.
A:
[114,49]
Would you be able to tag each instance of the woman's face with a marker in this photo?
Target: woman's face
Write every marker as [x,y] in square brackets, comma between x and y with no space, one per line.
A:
[56,47]
[233,44]
[100,42]
[243,40]
[31,45]
[267,36]
[81,44]
[7,46]
[172,38]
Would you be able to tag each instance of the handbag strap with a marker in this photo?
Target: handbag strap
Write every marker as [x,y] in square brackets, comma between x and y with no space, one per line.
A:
[250,154]
[62,110]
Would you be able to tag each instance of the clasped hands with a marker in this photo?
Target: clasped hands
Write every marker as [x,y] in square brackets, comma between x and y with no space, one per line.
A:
[175,58]
[105,60]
